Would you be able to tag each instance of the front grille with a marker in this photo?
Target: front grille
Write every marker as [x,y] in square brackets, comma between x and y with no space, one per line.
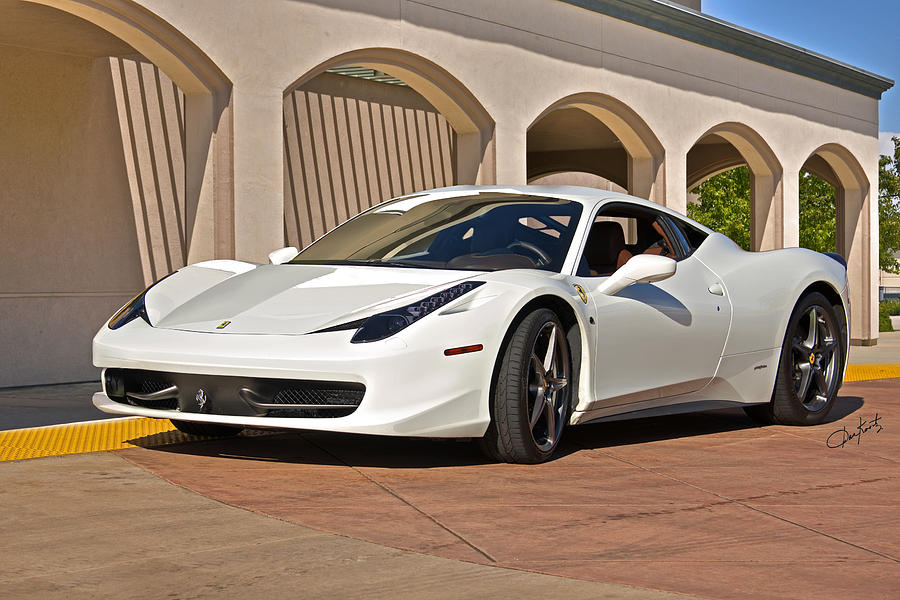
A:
[235,396]
[148,386]
[165,404]
[320,394]
[310,413]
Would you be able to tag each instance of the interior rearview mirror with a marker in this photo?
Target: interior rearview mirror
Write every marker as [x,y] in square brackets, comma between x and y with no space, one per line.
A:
[642,268]
[282,255]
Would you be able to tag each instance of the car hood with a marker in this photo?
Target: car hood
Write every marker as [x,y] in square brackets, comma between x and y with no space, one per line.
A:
[230,297]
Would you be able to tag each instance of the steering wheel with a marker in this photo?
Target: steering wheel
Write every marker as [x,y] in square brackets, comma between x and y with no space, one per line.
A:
[542,257]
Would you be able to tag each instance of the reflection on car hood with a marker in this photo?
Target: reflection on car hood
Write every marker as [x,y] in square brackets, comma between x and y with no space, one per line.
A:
[284,299]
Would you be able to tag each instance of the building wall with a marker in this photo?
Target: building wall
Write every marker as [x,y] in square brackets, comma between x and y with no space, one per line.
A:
[93,153]
[67,235]
[350,144]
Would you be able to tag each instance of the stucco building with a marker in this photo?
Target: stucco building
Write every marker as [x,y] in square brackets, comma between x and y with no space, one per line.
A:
[140,135]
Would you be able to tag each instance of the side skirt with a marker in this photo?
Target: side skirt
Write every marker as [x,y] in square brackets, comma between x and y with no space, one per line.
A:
[657,411]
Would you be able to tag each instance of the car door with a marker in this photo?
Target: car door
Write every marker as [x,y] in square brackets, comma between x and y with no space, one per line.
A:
[656,340]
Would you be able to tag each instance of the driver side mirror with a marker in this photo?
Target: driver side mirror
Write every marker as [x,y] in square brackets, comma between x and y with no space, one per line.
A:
[282,255]
[641,268]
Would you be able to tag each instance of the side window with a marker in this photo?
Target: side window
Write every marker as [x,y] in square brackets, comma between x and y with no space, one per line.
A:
[692,236]
[621,231]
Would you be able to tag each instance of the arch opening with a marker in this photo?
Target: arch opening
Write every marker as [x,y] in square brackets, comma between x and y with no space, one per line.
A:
[373,124]
[113,115]
[855,232]
[597,135]
[730,167]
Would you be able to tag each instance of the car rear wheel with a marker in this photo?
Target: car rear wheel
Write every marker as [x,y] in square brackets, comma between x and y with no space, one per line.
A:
[811,367]
[206,429]
[530,400]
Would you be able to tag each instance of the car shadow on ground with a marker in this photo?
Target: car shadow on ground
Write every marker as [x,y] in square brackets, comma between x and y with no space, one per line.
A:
[351,450]
[654,429]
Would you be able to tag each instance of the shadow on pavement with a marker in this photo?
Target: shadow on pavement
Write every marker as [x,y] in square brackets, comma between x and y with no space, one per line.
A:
[343,449]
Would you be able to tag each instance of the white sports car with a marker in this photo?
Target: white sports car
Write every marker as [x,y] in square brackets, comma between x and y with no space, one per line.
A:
[496,313]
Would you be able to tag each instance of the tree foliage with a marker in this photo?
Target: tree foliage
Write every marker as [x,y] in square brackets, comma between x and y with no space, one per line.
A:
[889,210]
[724,206]
[817,224]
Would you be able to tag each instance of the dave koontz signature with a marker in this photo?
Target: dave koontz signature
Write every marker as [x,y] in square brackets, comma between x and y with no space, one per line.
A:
[842,436]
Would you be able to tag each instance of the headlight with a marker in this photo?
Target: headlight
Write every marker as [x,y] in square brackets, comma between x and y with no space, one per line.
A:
[130,312]
[384,325]
[134,309]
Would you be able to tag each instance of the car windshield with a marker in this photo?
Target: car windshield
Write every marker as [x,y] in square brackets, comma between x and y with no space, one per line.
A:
[470,231]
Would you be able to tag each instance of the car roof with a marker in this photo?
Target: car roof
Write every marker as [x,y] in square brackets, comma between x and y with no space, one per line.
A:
[589,197]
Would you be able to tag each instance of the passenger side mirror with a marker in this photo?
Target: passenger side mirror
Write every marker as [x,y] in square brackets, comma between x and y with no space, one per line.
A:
[641,268]
[282,255]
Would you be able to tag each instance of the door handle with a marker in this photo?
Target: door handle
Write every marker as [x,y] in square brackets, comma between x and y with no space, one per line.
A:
[717,289]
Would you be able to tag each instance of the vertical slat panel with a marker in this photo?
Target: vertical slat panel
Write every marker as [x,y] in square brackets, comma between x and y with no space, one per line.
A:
[352,144]
[151,122]
[123,110]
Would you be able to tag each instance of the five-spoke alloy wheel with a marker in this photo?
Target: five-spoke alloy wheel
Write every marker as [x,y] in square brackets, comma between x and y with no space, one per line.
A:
[530,400]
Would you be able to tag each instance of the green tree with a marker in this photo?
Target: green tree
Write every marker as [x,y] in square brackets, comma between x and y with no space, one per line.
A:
[889,210]
[724,205]
[817,224]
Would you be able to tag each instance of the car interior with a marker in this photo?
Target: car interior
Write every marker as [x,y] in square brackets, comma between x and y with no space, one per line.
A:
[513,236]
[607,247]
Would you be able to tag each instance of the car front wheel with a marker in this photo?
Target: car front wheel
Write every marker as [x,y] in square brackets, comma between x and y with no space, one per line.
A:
[530,400]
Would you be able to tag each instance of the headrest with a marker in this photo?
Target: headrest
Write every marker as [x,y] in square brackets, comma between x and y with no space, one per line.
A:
[605,242]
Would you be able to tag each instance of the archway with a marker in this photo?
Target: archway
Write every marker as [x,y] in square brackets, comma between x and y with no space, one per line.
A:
[596,134]
[856,236]
[89,122]
[729,145]
[373,124]
[207,114]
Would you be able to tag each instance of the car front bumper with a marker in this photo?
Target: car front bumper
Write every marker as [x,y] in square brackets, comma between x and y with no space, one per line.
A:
[411,387]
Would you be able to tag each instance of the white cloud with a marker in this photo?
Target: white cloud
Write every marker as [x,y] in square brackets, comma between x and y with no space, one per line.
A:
[885,145]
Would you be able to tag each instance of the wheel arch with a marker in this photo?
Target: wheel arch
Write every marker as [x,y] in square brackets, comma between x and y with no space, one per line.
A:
[837,301]
[572,321]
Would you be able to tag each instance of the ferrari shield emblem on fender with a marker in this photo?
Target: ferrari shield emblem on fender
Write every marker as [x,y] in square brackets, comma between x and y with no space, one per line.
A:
[201,399]
[223,324]
[581,293]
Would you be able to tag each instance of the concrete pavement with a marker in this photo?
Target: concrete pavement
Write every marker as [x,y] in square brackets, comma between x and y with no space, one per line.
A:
[96,526]
[708,504]
[37,406]
[886,351]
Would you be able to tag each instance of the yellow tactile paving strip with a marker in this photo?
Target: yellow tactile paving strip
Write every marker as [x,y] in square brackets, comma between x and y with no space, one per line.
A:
[870,372]
[115,434]
[96,436]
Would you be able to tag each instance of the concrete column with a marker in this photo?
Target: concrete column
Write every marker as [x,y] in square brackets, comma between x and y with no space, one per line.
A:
[675,169]
[258,173]
[859,227]
[790,207]
[470,159]
[767,230]
[640,177]
[509,144]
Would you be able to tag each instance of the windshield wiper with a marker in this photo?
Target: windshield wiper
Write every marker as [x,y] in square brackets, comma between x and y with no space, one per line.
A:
[377,262]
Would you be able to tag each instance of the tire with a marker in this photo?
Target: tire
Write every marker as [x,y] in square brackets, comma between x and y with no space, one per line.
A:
[206,429]
[810,369]
[517,434]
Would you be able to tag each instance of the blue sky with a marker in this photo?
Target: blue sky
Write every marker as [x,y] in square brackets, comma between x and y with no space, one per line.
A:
[863,33]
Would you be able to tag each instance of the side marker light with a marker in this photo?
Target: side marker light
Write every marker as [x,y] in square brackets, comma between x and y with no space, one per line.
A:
[463,350]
